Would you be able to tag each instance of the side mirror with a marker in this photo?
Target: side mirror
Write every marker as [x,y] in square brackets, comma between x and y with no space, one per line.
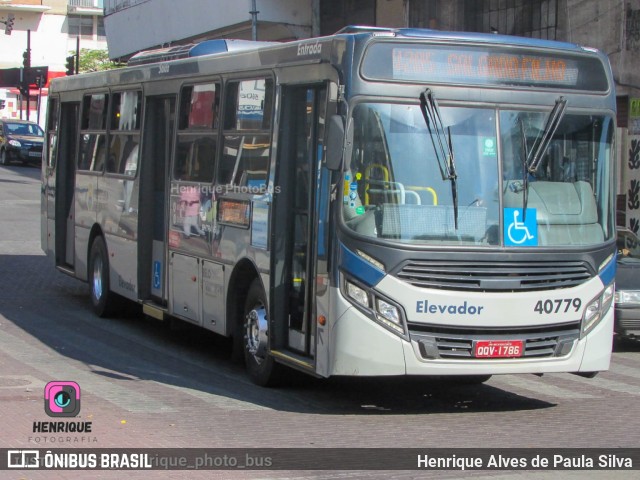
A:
[335,143]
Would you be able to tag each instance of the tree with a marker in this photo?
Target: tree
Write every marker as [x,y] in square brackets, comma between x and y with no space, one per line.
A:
[96,61]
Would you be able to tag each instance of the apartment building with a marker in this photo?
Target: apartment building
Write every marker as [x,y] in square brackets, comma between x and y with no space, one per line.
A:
[51,28]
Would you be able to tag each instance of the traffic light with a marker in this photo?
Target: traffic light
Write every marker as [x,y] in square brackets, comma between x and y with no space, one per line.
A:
[8,24]
[71,65]
[26,58]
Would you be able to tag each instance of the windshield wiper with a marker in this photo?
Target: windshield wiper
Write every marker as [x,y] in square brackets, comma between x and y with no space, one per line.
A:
[532,158]
[442,145]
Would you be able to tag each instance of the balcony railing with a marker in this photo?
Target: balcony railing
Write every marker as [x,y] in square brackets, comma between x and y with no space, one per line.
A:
[86,3]
[20,2]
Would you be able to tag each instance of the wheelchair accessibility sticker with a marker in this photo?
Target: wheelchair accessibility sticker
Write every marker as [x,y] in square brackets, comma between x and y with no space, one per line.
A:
[517,232]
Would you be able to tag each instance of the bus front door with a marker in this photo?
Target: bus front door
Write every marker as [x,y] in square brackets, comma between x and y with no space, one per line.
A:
[65,170]
[295,226]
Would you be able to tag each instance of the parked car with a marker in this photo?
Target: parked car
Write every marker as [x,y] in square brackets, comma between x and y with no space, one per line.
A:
[20,140]
[627,296]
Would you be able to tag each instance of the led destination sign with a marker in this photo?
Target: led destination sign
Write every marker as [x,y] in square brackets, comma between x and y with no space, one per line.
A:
[483,66]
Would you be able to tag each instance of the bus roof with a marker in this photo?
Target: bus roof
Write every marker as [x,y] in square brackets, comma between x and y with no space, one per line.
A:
[471,37]
[270,54]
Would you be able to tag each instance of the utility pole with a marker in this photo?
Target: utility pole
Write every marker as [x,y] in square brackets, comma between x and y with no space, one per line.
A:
[254,21]
[27,71]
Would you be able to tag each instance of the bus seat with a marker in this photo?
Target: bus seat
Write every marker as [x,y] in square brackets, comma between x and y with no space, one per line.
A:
[432,222]
[253,178]
[566,213]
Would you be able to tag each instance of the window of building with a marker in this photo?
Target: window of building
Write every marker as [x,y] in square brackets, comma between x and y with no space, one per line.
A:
[80,26]
[101,31]
[337,14]
[423,14]
[526,18]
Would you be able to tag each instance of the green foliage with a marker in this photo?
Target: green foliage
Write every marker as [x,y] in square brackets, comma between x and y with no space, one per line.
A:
[96,61]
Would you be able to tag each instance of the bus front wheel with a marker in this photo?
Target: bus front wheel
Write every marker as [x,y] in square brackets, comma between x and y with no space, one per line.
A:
[261,366]
[99,278]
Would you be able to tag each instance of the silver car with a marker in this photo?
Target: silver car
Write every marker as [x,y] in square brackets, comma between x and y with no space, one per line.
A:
[627,296]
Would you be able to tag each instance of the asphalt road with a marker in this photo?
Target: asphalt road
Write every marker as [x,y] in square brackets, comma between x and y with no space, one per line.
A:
[145,385]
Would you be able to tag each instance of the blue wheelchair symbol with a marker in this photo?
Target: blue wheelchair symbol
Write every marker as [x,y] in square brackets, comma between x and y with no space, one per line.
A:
[157,274]
[520,233]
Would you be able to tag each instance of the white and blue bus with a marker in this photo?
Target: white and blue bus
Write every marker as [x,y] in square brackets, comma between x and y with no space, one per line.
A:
[378,202]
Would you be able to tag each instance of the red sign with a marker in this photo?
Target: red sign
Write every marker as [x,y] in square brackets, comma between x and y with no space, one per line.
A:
[498,349]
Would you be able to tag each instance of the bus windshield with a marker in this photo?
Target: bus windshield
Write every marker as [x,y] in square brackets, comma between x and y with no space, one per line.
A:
[395,190]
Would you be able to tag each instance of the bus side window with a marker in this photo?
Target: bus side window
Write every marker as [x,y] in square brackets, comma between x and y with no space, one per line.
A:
[124,132]
[92,152]
[94,131]
[197,132]
[247,139]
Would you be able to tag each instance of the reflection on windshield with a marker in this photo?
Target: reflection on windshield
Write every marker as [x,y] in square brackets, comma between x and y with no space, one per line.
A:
[394,190]
[570,190]
[628,247]
[27,129]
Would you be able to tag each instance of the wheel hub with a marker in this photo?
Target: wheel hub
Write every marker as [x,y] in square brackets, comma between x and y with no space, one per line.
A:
[257,329]
[97,278]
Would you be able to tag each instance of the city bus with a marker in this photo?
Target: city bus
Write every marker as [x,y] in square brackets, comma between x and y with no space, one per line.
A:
[379,202]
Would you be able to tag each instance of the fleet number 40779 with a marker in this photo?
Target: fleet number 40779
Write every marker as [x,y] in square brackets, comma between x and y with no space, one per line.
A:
[559,305]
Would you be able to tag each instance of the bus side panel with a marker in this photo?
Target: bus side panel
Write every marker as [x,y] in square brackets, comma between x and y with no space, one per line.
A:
[47,223]
[85,212]
[118,218]
[123,273]
[360,347]
[599,344]
[82,246]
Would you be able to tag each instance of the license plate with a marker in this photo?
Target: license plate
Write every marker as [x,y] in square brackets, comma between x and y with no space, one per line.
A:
[35,154]
[498,348]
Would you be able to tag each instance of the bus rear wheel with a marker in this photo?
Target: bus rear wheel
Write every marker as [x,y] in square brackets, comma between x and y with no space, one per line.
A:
[101,297]
[261,367]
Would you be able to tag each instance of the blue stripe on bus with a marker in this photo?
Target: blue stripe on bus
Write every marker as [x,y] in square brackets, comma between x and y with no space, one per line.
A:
[608,273]
[359,268]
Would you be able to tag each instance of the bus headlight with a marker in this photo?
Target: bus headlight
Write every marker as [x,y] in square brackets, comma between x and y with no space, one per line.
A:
[596,309]
[382,310]
[627,297]
[359,295]
[389,315]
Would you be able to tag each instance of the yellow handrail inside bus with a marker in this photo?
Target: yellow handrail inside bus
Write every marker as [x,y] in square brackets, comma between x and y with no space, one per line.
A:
[426,189]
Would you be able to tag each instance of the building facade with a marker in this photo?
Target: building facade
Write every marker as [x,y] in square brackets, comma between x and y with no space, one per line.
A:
[52,29]
[134,25]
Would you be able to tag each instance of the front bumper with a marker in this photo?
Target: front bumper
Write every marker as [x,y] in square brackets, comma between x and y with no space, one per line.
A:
[627,320]
[24,154]
[364,348]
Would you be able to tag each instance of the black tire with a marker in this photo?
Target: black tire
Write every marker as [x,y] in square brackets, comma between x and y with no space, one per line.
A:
[261,367]
[102,298]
